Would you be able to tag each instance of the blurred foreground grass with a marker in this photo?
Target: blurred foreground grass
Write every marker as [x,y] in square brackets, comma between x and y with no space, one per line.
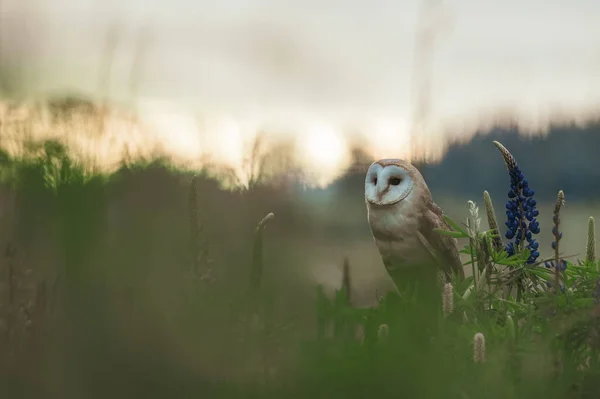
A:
[86,314]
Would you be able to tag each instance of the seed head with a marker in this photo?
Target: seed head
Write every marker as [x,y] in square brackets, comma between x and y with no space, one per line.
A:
[448,299]
[590,253]
[479,348]
[474,220]
[383,332]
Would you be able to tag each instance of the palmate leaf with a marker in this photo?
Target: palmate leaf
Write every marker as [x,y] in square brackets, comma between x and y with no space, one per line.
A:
[498,256]
[456,227]
[542,272]
[513,260]
[467,250]
[455,234]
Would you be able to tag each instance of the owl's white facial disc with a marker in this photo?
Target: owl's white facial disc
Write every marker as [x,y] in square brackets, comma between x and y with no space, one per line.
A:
[387,185]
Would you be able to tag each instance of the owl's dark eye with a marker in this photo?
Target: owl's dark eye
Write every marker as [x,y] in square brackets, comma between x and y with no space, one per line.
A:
[394,181]
[375,181]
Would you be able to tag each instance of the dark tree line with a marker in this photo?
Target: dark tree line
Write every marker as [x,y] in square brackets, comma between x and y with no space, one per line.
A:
[567,158]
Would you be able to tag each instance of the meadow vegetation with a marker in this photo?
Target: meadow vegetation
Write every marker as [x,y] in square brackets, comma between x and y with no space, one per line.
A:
[133,285]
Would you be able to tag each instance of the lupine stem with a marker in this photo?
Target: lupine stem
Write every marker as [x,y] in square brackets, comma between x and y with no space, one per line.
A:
[557,269]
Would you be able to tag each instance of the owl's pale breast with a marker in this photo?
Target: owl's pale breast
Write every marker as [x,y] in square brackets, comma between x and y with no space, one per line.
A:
[395,233]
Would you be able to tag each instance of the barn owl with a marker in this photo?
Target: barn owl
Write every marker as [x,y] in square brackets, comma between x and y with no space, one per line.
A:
[402,216]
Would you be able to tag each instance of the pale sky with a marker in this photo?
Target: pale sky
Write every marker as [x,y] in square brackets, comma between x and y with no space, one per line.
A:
[344,63]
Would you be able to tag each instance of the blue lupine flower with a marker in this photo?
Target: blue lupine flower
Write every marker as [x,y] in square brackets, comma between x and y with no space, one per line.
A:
[561,266]
[521,210]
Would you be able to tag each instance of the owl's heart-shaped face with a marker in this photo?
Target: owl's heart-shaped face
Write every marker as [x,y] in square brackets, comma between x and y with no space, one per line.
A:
[387,184]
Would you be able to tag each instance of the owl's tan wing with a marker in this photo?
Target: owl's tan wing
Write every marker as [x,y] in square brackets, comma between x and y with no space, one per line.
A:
[443,248]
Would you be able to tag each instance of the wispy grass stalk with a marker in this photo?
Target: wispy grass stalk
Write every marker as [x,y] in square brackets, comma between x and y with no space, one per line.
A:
[202,263]
[113,37]
[486,259]
[194,225]
[473,223]
[256,271]
[346,280]
[492,221]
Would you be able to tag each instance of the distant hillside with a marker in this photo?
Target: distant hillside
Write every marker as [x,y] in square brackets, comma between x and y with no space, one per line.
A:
[568,159]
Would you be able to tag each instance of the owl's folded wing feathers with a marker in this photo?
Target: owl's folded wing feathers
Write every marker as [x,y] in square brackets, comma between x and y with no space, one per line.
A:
[443,247]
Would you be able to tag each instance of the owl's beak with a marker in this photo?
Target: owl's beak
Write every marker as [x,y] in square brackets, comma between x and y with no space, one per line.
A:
[381,192]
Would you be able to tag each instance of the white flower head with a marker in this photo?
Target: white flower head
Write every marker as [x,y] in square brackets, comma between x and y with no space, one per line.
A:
[473,221]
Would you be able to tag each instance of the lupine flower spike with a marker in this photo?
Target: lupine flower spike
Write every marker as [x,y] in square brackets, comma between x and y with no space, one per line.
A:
[492,221]
[560,201]
[590,253]
[448,299]
[559,265]
[521,210]
[479,348]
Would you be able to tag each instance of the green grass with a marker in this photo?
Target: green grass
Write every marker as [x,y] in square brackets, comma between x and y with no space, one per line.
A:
[111,320]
